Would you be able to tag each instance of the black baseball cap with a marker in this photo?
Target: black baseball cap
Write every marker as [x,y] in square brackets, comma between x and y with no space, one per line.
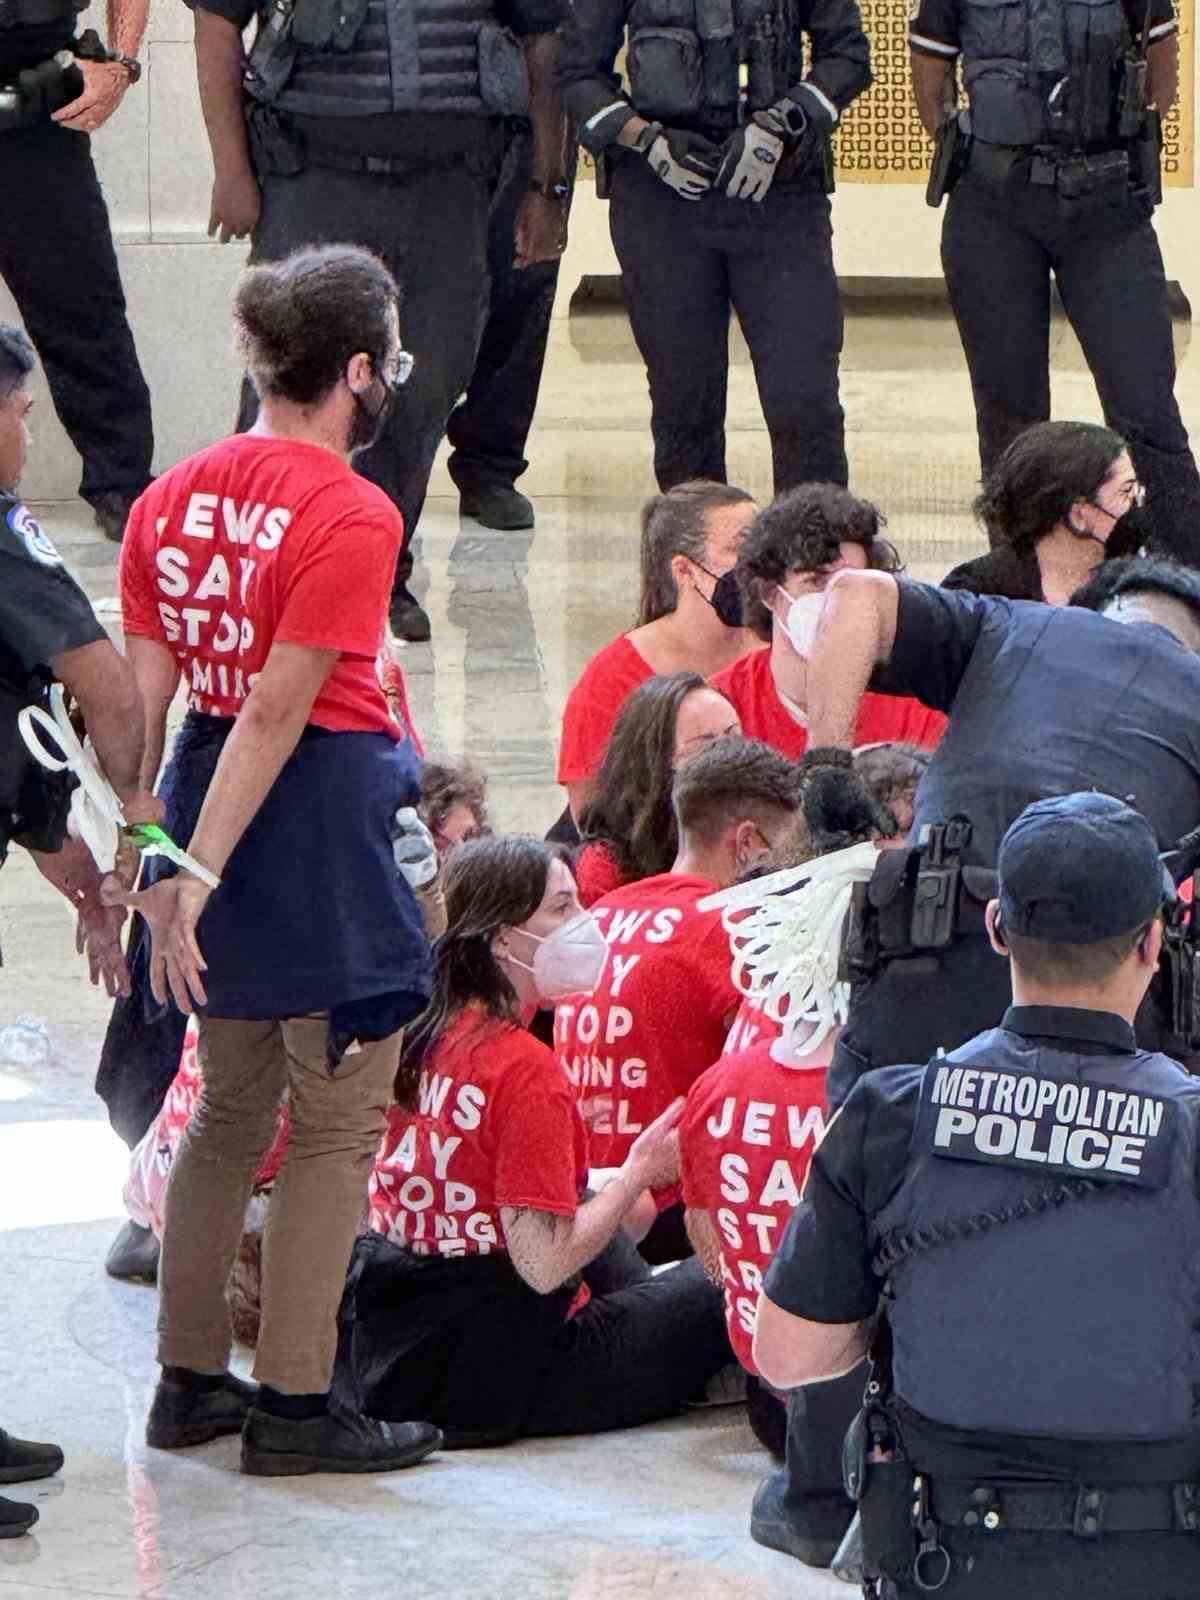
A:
[1078,868]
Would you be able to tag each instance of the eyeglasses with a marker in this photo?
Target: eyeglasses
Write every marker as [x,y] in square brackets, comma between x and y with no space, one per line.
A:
[401,370]
[1133,495]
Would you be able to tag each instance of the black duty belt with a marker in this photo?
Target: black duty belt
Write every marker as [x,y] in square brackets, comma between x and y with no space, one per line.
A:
[997,162]
[346,161]
[1085,1511]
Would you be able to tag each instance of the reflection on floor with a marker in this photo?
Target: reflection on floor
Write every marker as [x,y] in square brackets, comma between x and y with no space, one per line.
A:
[658,1512]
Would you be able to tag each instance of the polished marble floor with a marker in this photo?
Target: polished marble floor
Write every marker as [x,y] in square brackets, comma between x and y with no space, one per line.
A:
[657,1512]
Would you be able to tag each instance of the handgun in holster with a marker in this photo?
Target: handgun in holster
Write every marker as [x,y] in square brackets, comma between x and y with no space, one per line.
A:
[1179,962]
[951,152]
[1145,159]
[269,65]
[910,904]
[939,880]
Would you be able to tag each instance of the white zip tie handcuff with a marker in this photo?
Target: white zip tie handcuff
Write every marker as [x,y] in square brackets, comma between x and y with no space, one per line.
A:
[96,816]
[785,934]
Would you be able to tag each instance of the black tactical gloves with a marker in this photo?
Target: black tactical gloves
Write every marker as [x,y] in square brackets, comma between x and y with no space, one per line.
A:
[686,162]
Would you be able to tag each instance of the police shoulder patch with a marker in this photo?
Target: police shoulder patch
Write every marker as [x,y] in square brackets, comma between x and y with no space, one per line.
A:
[26,529]
[1067,1127]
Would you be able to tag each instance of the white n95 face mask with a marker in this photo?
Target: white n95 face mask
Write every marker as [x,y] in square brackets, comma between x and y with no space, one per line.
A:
[802,620]
[570,960]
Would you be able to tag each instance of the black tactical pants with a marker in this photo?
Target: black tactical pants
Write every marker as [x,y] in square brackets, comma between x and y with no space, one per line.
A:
[1001,240]
[684,264]
[430,225]
[57,258]
[489,426]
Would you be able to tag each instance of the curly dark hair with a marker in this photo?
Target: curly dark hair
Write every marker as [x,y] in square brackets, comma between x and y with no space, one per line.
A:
[802,531]
[490,884]
[733,779]
[446,784]
[630,811]
[301,319]
[1039,478]
[676,524]
[16,359]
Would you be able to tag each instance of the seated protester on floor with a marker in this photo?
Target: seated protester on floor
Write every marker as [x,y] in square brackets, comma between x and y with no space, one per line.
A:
[792,550]
[454,802]
[1023,1213]
[660,1013]
[689,621]
[891,773]
[465,1304]
[628,826]
[1063,498]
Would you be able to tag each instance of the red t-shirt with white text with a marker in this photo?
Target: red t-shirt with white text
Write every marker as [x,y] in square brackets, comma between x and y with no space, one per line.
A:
[495,1125]
[745,1143]
[658,1017]
[882,718]
[751,1026]
[257,540]
[594,705]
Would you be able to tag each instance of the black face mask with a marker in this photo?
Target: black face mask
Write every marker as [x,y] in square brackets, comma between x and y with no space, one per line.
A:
[369,422]
[726,598]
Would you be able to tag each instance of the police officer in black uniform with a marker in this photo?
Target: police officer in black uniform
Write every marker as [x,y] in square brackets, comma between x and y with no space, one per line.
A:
[48,630]
[1022,1214]
[384,124]
[1042,700]
[719,167]
[1061,176]
[56,249]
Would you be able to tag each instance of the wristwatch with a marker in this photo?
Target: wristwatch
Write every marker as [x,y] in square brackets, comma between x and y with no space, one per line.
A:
[131,64]
[556,189]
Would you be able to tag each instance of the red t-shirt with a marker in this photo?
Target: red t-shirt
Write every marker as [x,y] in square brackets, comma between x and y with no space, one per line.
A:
[751,1026]
[658,1017]
[882,718]
[256,540]
[596,873]
[496,1125]
[745,1142]
[594,705]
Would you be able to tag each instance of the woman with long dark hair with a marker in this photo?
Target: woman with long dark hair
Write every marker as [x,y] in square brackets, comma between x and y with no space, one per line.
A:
[1056,506]
[468,1301]
[629,827]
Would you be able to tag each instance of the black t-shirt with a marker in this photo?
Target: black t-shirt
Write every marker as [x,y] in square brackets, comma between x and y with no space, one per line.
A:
[933,28]
[43,612]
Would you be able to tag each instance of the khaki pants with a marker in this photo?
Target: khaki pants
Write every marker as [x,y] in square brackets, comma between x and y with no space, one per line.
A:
[315,1210]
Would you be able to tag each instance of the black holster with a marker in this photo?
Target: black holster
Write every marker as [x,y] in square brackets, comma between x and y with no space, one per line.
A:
[1179,964]
[276,145]
[1145,160]
[951,151]
[913,902]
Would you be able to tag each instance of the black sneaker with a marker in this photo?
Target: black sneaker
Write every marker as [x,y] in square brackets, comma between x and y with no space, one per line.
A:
[111,513]
[180,1416]
[339,1441]
[15,1518]
[21,1461]
[408,618]
[133,1255]
[776,1526]
[498,506]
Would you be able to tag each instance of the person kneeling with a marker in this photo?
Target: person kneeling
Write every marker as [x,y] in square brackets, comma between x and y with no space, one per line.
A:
[467,1303]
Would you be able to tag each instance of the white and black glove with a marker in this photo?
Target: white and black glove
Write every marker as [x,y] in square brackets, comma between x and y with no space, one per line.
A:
[686,162]
[752,154]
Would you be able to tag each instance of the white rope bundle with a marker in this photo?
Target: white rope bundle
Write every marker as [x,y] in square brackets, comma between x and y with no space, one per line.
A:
[785,932]
[96,814]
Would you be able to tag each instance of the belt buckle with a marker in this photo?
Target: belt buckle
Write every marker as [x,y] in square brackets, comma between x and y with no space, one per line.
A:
[377,164]
[1089,1513]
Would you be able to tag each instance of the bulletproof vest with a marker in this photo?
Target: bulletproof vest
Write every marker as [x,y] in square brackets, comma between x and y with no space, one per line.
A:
[685,57]
[1044,1277]
[1043,72]
[39,14]
[399,55]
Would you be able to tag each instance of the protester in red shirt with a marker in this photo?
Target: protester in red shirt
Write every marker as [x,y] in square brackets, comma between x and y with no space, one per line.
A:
[466,1304]
[297,938]
[629,825]
[689,621]
[660,1014]
[790,553]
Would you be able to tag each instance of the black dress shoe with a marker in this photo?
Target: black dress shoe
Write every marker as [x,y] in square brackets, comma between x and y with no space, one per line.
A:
[21,1461]
[15,1518]
[339,1441]
[498,506]
[181,1416]
[133,1255]
[111,513]
[408,618]
[774,1524]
